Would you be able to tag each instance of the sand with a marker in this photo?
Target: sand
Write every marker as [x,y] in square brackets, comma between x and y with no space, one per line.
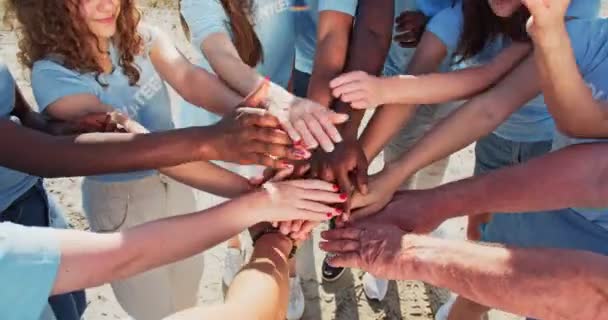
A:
[342,300]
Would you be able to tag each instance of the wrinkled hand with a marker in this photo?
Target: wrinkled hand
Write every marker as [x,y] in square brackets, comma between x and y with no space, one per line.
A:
[411,211]
[410,27]
[347,165]
[298,200]
[245,138]
[359,89]
[547,16]
[382,250]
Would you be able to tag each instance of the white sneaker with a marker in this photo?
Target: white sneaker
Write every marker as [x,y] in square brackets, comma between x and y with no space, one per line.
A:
[374,288]
[444,311]
[295,309]
[232,264]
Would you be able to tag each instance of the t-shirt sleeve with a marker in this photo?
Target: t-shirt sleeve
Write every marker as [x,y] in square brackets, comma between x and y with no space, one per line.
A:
[51,82]
[7,90]
[204,17]
[345,6]
[447,26]
[587,9]
[29,261]
[580,33]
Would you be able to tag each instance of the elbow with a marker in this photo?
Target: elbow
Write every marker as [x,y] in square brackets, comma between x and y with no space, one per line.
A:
[575,129]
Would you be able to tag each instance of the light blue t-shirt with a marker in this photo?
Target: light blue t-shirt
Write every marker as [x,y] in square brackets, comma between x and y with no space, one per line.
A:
[306,28]
[147,102]
[433,7]
[589,38]
[13,184]
[532,122]
[274,24]
[29,261]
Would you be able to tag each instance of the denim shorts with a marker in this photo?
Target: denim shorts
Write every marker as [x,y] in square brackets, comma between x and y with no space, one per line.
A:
[35,209]
[493,152]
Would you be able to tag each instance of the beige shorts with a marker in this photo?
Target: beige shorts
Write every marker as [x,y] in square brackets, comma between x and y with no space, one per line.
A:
[424,119]
[117,206]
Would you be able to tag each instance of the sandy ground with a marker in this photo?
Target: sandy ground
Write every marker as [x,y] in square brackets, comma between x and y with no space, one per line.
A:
[342,300]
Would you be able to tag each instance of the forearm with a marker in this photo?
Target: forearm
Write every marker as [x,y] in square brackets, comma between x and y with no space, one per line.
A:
[209,177]
[384,125]
[537,185]
[210,93]
[433,88]
[568,98]
[514,279]
[103,258]
[267,272]
[98,153]
[368,49]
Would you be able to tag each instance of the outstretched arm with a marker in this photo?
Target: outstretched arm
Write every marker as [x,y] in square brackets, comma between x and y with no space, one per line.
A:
[266,272]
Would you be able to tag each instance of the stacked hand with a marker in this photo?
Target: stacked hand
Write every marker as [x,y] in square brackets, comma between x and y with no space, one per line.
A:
[359,89]
[410,27]
[547,18]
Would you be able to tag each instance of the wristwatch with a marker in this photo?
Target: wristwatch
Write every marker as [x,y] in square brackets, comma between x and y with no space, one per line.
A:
[271,230]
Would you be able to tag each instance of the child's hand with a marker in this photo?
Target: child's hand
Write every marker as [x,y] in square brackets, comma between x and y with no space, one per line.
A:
[359,89]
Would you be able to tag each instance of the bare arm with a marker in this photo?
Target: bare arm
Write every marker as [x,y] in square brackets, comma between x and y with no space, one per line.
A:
[333,37]
[209,177]
[477,118]
[266,272]
[388,119]
[193,83]
[367,51]
[511,279]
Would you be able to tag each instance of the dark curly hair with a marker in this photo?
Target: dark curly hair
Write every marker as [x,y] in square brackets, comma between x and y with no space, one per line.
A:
[48,28]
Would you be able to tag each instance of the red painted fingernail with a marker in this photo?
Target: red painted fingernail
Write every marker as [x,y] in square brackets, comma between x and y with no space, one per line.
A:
[343,196]
[298,143]
[339,211]
[329,215]
[336,188]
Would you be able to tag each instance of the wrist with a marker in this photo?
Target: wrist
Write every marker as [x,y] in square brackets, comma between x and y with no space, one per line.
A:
[551,38]
[200,139]
[259,94]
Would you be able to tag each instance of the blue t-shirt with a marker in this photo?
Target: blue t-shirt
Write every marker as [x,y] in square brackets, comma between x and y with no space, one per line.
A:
[274,24]
[147,102]
[532,122]
[589,38]
[433,7]
[29,261]
[306,28]
[13,184]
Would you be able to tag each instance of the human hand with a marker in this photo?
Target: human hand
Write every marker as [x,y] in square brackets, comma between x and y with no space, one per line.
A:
[347,166]
[247,138]
[382,187]
[297,200]
[546,17]
[359,89]
[410,27]
[384,251]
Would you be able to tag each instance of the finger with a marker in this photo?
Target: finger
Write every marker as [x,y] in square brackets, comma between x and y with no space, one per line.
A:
[266,161]
[317,131]
[328,126]
[307,227]
[326,174]
[342,234]
[357,85]
[338,118]
[306,135]
[339,246]
[329,197]
[292,132]
[296,226]
[317,207]
[363,213]
[355,95]
[347,78]
[273,150]
[268,135]
[346,187]
[282,174]
[309,215]
[301,170]
[313,184]
[361,178]
[346,260]
[285,227]
[362,104]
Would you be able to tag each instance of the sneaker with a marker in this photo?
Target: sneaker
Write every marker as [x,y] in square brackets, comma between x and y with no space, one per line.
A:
[232,264]
[295,309]
[374,288]
[444,311]
[329,273]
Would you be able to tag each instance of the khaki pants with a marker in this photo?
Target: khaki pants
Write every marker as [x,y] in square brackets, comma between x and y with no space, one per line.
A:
[425,118]
[117,206]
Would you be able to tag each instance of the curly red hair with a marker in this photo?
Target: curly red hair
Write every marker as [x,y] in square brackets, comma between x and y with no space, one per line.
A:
[55,28]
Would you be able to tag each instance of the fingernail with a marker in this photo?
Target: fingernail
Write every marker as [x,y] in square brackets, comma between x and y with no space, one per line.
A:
[339,211]
[284,165]
[343,196]
[301,153]
[298,143]
[329,215]
[336,187]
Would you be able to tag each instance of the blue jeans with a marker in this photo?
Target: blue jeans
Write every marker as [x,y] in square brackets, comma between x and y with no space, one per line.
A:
[493,152]
[33,209]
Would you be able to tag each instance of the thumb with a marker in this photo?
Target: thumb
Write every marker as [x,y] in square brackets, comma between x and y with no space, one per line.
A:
[338,118]
[362,213]
[361,178]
